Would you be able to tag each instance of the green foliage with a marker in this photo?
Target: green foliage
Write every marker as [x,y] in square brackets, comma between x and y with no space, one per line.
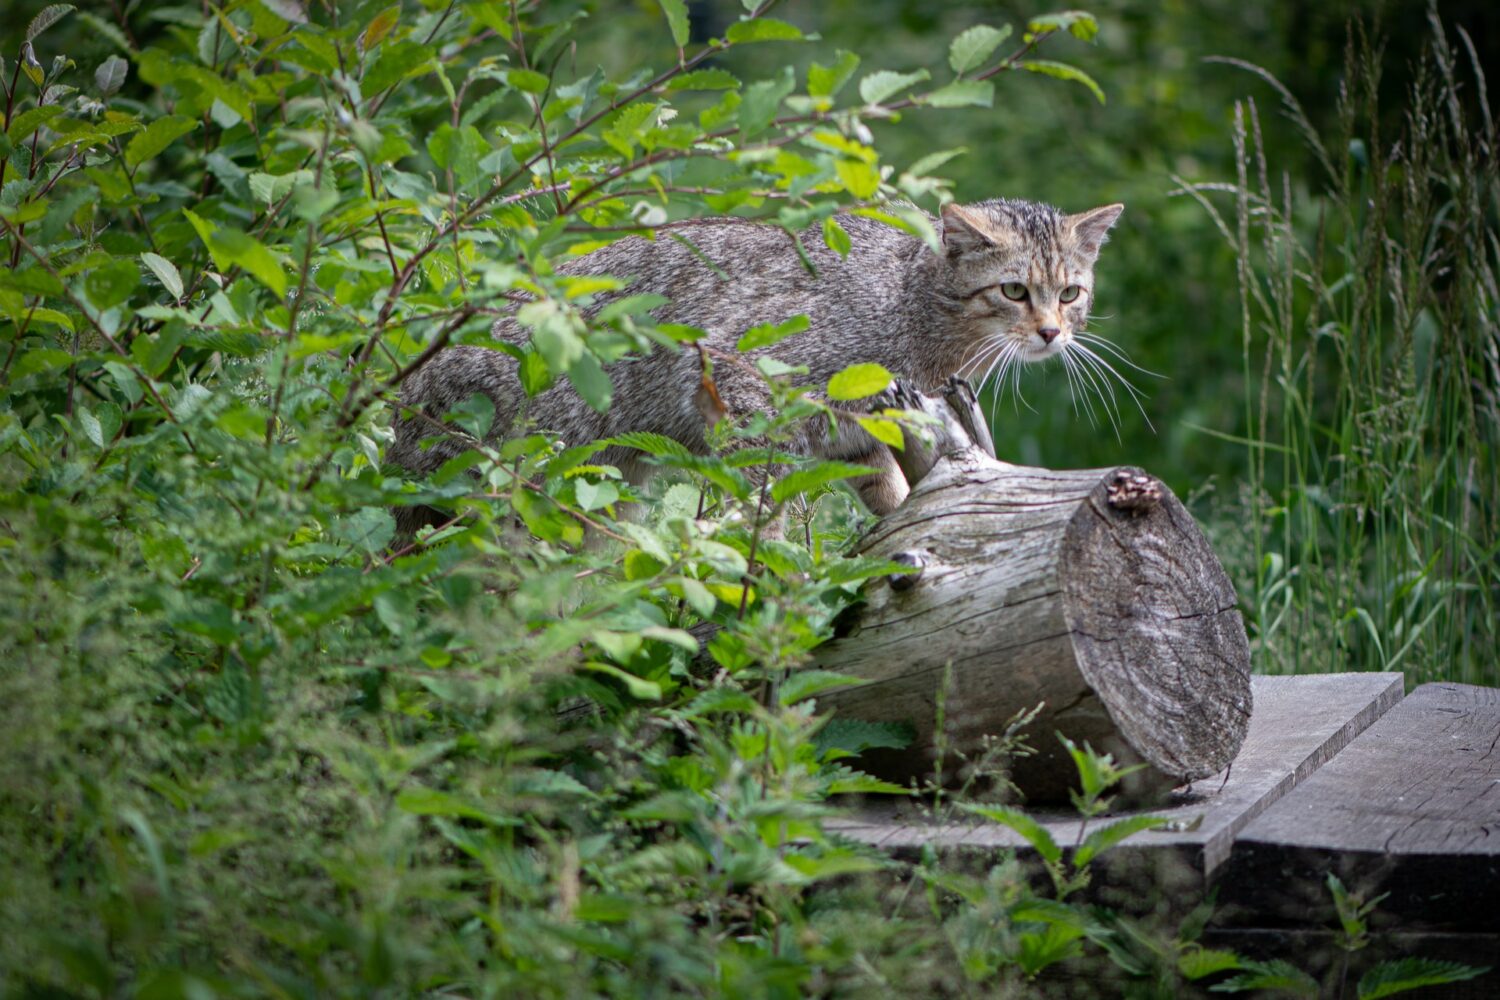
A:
[258,743]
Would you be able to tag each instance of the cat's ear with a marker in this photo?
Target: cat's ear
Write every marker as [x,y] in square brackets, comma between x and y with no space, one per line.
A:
[1090,229]
[963,231]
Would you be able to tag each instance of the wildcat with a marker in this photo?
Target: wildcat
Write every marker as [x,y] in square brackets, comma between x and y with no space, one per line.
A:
[1013,283]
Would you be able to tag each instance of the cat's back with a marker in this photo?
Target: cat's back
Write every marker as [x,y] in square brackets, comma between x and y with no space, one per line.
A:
[728,275]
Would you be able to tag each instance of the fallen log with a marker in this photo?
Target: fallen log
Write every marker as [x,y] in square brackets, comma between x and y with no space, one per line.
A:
[1090,592]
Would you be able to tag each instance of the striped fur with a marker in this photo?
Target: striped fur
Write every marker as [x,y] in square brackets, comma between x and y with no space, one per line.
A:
[892,301]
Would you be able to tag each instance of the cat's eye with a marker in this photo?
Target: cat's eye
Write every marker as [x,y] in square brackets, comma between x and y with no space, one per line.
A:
[1070,294]
[1013,290]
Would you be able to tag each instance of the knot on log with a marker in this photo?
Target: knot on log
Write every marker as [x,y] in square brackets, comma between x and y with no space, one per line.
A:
[1134,492]
[906,581]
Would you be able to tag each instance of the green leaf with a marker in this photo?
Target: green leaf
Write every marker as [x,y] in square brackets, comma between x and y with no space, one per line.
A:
[859,178]
[767,334]
[1389,978]
[859,381]
[1030,830]
[249,254]
[852,736]
[804,480]
[827,81]
[27,122]
[1103,839]
[157,136]
[110,76]
[32,281]
[962,94]
[1276,974]
[639,687]
[591,381]
[43,359]
[705,79]
[381,25]
[762,99]
[397,61]
[423,801]
[677,20]
[803,684]
[1198,963]
[763,29]
[885,83]
[836,237]
[111,283]
[1079,23]
[974,45]
[166,273]
[884,430]
[46,18]
[1064,72]
[527,80]
[287,10]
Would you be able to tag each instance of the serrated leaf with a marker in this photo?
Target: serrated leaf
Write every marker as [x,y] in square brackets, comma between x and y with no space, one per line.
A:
[46,18]
[1276,974]
[836,237]
[166,273]
[962,94]
[1103,839]
[884,430]
[932,161]
[803,480]
[827,81]
[705,79]
[720,699]
[1078,23]
[859,381]
[1063,71]
[527,80]
[639,687]
[859,178]
[423,801]
[110,76]
[974,45]
[27,122]
[249,254]
[1198,963]
[766,334]
[380,26]
[1389,978]
[854,736]
[111,283]
[763,29]
[156,137]
[1030,830]
[677,20]
[885,83]
[651,444]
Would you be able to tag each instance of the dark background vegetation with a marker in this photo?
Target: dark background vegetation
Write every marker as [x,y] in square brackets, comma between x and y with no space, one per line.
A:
[248,749]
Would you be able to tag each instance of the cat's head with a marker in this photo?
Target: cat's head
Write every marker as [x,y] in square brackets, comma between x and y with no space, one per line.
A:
[1020,275]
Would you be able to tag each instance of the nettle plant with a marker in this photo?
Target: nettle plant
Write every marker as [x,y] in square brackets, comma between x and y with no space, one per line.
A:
[256,744]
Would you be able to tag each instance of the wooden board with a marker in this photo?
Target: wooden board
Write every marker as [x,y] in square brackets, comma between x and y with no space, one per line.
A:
[1410,808]
[1299,723]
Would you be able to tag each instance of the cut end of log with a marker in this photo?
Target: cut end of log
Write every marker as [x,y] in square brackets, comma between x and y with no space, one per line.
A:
[1093,592]
[1156,632]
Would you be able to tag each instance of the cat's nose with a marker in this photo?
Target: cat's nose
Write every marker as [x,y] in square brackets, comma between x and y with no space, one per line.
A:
[1048,334]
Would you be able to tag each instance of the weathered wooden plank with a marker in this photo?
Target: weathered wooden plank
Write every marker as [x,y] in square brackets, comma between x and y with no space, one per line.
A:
[1410,808]
[1299,724]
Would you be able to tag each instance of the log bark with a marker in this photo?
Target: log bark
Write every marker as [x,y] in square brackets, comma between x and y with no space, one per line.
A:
[1091,592]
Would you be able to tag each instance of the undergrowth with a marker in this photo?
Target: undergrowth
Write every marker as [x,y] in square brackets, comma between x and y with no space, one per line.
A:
[253,743]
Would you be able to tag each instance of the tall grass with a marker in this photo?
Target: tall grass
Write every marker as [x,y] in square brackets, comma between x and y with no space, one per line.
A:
[1371,364]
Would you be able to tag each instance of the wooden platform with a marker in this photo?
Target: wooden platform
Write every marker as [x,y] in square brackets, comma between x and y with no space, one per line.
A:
[1338,774]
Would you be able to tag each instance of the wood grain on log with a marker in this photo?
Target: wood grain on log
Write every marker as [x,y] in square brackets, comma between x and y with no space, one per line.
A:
[1091,591]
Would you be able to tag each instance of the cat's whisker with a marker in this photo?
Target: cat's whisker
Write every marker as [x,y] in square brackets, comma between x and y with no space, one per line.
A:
[1102,389]
[1085,383]
[1093,360]
[1116,352]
